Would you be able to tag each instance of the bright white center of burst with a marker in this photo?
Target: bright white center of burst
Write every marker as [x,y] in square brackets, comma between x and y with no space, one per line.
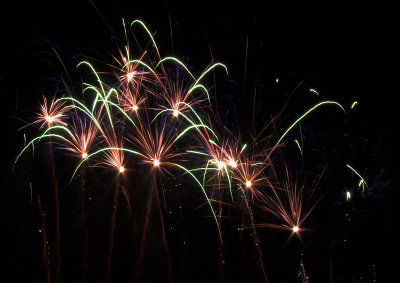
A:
[233,164]
[84,155]
[220,164]
[121,169]
[175,113]
[135,107]
[49,119]
[156,162]
[130,75]
[248,184]
[295,229]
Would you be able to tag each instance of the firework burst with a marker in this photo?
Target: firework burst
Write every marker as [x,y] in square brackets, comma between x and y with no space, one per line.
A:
[153,113]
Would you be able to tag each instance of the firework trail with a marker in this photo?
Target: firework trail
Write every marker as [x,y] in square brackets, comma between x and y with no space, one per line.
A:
[45,259]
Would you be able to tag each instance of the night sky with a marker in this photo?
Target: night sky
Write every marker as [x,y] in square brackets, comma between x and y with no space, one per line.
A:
[346,52]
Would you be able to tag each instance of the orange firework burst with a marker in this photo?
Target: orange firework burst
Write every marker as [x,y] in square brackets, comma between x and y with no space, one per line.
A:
[288,203]
[50,114]
[81,137]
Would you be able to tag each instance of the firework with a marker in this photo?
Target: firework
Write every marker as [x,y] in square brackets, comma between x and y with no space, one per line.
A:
[142,115]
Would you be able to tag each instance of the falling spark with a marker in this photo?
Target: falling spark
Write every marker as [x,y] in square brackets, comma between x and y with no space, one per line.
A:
[314,91]
[299,147]
[308,112]
[348,195]
[362,181]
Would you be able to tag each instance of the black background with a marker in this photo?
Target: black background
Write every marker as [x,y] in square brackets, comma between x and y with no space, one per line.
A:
[347,52]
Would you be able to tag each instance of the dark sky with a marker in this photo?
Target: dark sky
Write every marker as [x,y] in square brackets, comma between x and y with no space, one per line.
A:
[346,52]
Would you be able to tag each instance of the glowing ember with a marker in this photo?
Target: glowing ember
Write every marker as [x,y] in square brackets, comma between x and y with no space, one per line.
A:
[135,107]
[84,155]
[176,113]
[156,162]
[348,195]
[295,229]
[121,169]
[233,164]
[248,184]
